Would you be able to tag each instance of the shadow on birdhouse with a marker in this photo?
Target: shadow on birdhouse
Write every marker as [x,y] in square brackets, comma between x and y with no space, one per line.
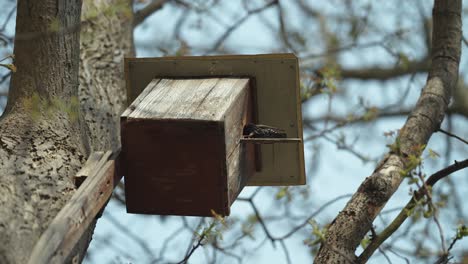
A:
[192,139]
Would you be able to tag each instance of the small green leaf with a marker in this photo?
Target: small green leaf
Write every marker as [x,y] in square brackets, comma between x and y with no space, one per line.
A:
[428,213]
[282,192]
[462,231]
[365,242]
[390,133]
[248,230]
[409,212]
[252,219]
[404,60]
[217,216]
[371,114]
[433,154]
[9,66]
[54,25]
[412,180]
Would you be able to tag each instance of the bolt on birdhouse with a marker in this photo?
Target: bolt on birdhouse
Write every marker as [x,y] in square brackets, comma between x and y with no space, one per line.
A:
[191,138]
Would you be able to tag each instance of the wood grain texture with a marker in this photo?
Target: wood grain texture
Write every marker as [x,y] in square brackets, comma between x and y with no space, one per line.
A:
[275,83]
[199,99]
[240,159]
[189,129]
[67,228]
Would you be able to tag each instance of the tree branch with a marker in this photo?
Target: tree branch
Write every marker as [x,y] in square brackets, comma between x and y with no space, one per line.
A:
[148,10]
[10,14]
[355,220]
[403,215]
[383,74]
[239,22]
[452,135]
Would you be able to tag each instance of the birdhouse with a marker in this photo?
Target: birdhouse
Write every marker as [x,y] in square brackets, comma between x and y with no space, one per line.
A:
[194,134]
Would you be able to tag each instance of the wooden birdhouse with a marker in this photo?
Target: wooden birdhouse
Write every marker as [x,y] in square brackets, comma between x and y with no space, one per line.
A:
[186,144]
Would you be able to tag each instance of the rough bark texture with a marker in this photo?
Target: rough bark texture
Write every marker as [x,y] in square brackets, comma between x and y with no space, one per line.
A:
[42,141]
[355,220]
[106,38]
[40,144]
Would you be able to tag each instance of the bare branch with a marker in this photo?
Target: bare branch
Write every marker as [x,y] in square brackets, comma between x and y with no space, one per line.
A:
[355,220]
[147,11]
[283,30]
[239,22]
[10,14]
[140,242]
[192,250]
[314,214]
[383,74]
[5,77]
[286,252]
[426,26]
[452,135]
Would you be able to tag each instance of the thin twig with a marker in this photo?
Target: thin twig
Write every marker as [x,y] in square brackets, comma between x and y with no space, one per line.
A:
[3,78]
[126,231]
[428,194]
[10,14]
[314,214]
[199,243]
[262,223]
[239,22]
[455,239]
[283,30]
[385,255]
[341,144]
[326,131]
[169,239]
[452,135]
[465,41]
[286,252]
[399,255]
[189,254]
[148,10]
[441,231]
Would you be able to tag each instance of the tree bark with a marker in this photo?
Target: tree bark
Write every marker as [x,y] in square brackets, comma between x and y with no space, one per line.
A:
[106,38]
[40,143]
[52,122]
[355,220]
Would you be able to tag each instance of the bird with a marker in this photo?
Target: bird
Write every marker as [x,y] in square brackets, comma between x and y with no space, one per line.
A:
[262,131]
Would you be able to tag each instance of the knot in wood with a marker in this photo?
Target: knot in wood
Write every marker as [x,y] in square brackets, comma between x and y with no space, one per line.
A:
[377,188]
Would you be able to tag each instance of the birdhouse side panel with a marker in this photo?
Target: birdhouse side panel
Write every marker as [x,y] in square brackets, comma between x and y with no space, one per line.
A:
[174,167]
[240,158]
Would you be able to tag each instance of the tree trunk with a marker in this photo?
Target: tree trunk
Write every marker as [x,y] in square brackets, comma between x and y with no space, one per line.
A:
[43,139]
[355,220]
[106,38]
